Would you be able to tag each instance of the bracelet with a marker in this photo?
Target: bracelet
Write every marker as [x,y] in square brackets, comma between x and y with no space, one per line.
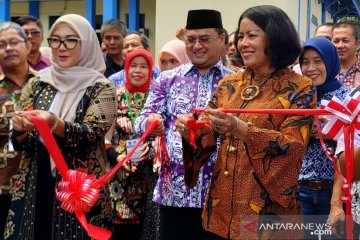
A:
[54,126]
[156,166]
[237,124]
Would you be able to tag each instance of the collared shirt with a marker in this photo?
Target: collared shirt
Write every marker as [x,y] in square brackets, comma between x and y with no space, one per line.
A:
[41,63]
[352,77]
[119,78]
[9,159]
[316,166]
[111,66]
[179,91]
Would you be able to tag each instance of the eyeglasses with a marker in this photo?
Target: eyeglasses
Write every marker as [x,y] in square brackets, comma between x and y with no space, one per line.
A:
[69,43]
[203,40]
[34,34]
[12,43]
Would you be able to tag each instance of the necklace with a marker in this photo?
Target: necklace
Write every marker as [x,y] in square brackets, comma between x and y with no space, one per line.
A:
[138,106]
[253,90]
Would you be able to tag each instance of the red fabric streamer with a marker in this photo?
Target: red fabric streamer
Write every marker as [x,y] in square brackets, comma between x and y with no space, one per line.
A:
[193,125]
[274,111]
[78,191]
[345,121]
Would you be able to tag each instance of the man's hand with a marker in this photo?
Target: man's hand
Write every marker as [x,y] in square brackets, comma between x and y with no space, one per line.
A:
[182,126]
[159,129]
[336,220]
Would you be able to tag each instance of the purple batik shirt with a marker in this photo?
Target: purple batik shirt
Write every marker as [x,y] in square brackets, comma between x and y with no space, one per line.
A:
[175,92]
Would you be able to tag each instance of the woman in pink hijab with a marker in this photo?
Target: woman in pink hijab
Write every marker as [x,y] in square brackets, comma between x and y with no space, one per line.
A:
[172,55]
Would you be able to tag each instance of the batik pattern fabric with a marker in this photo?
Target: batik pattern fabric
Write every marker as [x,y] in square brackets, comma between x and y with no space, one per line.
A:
[257,178]
[355,202]
[9,158]
[352,79]
[119,78]
[34,212]
[129,190]
[179,91]
[316,165]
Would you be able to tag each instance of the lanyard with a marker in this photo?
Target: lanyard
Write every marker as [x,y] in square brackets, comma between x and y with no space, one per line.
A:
[12,94]
[126,93]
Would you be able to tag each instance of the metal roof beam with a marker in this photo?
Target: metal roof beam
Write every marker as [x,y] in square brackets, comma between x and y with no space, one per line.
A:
[357,6]
[328,3]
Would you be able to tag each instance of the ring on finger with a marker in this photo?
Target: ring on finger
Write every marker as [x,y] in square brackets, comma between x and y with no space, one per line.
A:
[217,126]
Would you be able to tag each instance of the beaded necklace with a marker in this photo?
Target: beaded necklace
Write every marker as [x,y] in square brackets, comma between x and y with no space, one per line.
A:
[137,97]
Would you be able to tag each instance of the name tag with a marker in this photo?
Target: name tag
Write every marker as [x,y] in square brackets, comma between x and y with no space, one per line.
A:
[130,143]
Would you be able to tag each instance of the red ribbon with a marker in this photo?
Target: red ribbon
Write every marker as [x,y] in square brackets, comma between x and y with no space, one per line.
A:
[193,125]
[344,119]
[78,191]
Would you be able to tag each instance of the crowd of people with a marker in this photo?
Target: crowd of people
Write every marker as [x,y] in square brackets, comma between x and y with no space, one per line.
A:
[204,168]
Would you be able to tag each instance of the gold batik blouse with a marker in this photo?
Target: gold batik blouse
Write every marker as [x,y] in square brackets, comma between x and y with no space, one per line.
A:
[259,177]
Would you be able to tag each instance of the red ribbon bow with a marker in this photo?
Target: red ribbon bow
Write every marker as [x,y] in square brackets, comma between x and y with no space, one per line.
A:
[78,191]
[345,114]
[345,121]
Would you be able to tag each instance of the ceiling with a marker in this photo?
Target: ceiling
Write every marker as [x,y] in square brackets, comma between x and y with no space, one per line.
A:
[342,8]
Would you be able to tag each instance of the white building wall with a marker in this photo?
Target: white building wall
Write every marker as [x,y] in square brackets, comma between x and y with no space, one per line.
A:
[163,17]
[171,14]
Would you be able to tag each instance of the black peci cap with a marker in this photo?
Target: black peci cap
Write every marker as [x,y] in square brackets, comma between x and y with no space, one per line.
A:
[203,18]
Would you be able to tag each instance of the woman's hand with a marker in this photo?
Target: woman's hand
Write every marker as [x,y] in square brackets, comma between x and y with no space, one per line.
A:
[182,126]
[127,166]
[159,129]
[22,120]
[227,124]
[126,124]
[145,151]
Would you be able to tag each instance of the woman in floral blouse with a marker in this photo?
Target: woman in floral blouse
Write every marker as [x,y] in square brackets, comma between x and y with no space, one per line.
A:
[129,188]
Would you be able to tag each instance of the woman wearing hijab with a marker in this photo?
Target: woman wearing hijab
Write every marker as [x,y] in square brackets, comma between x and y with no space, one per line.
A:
[319,61]
[172,55]
[79,105]
[130,188]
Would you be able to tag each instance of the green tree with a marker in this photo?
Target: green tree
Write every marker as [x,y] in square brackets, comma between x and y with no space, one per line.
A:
[355,20]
